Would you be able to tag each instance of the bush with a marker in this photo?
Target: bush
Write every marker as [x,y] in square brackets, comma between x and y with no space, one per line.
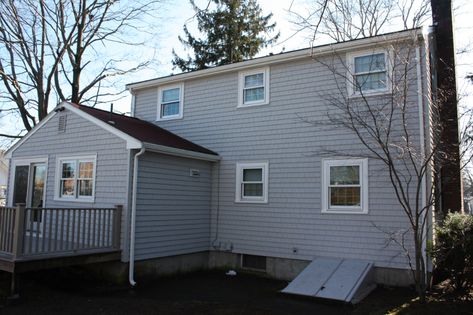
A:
[453,250]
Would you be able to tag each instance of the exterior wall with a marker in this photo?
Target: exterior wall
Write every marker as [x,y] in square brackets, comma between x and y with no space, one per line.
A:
[3,178]
[3,170]
[173,208]
[291,224]
[81,137]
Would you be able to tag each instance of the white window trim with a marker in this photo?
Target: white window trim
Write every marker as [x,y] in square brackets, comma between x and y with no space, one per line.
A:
[57,181]
[363,164]
[181,101]
[239,178]
[23,162]
[352,93]
[241,85]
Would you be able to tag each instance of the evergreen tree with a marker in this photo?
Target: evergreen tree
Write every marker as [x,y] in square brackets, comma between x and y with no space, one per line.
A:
[235,30]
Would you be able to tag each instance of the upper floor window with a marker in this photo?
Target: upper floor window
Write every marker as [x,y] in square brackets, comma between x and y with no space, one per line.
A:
[369,73]
[253,87]
[252,182]
[170,102]
[75,178]
[345,186]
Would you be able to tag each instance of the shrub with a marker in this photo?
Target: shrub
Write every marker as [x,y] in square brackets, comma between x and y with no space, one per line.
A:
[453,250]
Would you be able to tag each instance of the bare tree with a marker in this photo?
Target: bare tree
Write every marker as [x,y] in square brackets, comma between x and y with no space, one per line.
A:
[383,127]
[47,46]
[389,129]
[342,20]
[466,136]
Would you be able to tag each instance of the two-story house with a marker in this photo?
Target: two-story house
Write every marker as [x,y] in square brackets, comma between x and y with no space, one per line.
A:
[236,165]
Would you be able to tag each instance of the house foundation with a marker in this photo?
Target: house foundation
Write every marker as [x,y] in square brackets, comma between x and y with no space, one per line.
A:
[288,269]
[274,267]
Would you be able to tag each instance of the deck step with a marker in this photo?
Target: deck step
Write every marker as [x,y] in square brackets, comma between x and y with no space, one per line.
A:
[346,280]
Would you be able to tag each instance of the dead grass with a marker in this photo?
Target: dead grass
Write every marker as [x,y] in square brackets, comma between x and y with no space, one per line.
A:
[441,300]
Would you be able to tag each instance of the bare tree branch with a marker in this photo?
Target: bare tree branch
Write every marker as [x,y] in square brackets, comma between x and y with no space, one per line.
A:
[48,50]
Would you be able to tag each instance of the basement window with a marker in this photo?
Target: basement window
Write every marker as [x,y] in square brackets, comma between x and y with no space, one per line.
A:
[253,262]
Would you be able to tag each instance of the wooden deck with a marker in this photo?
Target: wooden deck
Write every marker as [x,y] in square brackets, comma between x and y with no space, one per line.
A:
[39,238]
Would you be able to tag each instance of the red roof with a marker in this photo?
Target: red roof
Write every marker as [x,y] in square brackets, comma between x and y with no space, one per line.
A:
[143,130]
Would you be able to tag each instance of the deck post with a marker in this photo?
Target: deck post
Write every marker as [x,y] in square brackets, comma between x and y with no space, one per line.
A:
[117,221]
[14,285]
[19,229]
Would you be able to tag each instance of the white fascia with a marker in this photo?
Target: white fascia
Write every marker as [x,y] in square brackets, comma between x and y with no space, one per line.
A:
[131,143]
[9,152]
[180,152]
[278,58]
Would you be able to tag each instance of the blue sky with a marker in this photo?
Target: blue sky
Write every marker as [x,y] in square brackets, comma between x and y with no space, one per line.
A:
[177,13]
[166,27]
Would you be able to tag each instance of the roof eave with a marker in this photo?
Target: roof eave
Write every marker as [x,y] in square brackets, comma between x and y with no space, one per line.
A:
[131,142]
[180,152]
[8,153]
[272,59]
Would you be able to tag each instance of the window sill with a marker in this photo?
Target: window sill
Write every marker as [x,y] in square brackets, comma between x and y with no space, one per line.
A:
[369,94]
[252,105]
[85,200]
[250,201]
[345,211]
[169,118]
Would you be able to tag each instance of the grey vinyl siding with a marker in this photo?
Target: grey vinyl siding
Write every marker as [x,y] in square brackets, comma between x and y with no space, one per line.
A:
[279,133]
[81,138]
[173,208]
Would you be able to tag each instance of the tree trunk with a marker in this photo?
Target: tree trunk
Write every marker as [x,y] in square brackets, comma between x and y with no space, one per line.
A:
[420,265]
[450,176]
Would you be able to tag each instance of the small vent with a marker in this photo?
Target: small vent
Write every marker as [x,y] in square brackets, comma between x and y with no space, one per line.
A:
[253,262]
[62,123]
[194,172]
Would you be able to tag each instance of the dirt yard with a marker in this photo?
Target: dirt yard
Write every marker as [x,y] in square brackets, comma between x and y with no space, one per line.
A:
[71,291]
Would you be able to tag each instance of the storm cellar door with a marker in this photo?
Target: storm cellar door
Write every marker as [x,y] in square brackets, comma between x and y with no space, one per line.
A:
[346,280]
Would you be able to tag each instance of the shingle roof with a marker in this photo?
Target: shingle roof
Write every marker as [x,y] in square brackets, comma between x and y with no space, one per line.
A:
[143,130]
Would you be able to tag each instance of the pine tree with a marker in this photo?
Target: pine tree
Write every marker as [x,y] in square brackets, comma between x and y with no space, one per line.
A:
[236,30]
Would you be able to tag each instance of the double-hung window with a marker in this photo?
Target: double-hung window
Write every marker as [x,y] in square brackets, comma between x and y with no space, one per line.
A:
[170,102]
[254,87]
[369,73]
[252,182]
[345,186]
[76,178]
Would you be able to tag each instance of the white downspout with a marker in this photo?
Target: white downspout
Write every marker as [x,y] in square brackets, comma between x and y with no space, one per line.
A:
[133,103]
[131,270]
[420,100]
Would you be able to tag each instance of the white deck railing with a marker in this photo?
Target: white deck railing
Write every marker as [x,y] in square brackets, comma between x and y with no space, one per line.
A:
[50,232]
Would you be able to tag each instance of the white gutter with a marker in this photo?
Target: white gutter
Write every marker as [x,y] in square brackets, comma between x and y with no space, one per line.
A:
[131,270]
[133,103]
[131,143]
[180,152]
[272,59]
